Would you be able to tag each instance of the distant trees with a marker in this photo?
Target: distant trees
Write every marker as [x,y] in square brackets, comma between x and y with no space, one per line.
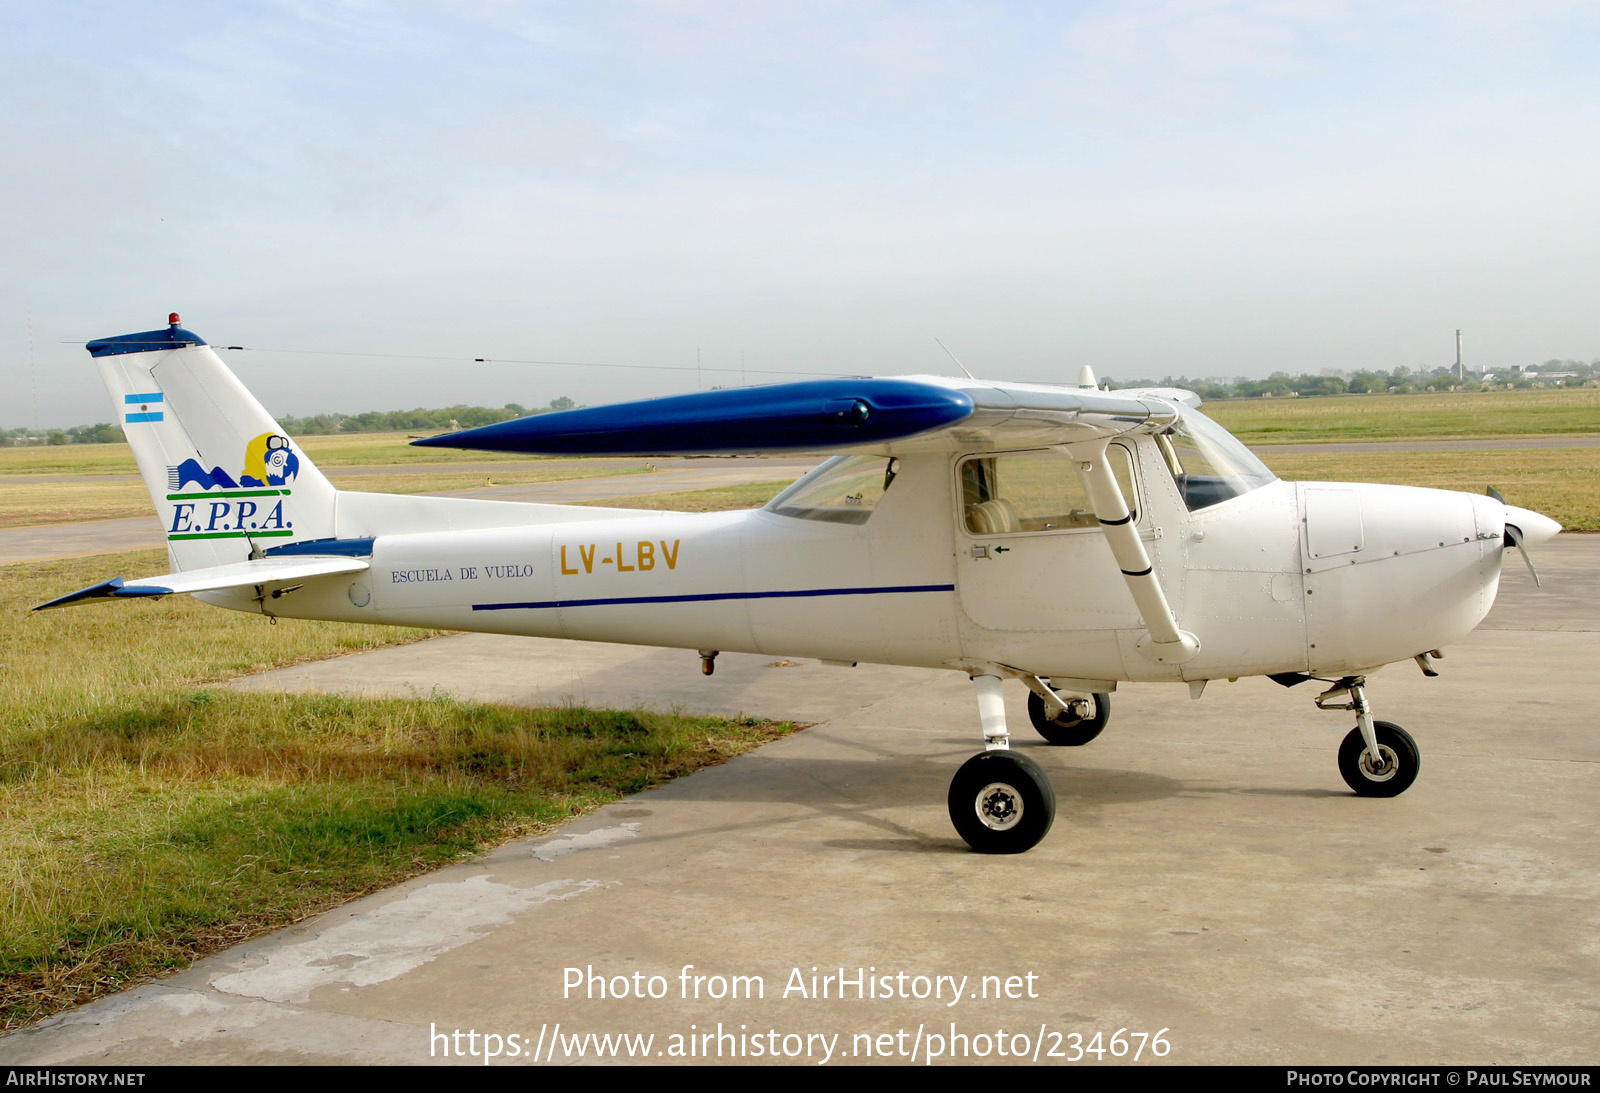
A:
[1368,381]
[414,421]
[101,433]
[373,421]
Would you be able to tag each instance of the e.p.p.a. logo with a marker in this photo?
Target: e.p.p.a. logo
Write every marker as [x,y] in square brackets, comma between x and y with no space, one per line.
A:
[226,506]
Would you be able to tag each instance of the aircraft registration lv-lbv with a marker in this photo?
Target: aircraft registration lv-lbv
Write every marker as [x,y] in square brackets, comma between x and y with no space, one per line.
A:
[1067,537]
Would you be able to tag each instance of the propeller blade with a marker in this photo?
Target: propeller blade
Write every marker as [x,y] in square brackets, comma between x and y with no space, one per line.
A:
[1514,538]
[1529,525]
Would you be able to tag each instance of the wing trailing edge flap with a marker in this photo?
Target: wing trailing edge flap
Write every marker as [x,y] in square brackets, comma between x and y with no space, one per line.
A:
[257,571]
[867,414]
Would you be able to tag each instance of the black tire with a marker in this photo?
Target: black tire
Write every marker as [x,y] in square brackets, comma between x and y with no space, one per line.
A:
[1395,746]
[1069,731]
[1002,802]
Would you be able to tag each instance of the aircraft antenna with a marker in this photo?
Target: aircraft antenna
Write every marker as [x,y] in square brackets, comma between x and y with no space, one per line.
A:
[957,359]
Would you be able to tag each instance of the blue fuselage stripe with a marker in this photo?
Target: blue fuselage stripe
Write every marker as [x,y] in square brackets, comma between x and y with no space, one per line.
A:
[701,597]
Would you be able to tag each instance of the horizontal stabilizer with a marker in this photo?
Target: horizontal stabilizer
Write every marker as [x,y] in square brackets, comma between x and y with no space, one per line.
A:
[258,571]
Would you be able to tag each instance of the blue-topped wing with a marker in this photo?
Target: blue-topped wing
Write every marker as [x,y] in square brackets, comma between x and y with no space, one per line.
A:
[815,414]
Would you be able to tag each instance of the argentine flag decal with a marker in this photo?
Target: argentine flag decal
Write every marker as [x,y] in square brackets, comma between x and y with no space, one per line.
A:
[143,402]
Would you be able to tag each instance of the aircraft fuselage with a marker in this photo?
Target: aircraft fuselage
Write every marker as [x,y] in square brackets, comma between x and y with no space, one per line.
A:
[1308,577]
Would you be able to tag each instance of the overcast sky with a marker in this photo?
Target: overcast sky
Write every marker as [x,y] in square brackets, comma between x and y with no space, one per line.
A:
[1201,187]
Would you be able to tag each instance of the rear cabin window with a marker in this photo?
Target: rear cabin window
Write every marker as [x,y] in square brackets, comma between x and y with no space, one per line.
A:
[1034,491]
[844,490]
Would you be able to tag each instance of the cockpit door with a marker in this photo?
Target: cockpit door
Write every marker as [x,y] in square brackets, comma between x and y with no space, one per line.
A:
[1029,552]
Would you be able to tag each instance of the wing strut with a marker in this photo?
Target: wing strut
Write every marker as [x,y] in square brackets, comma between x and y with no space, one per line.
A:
[1164,642]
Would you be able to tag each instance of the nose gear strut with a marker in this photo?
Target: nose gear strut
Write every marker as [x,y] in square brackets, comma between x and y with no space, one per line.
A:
[1377,758]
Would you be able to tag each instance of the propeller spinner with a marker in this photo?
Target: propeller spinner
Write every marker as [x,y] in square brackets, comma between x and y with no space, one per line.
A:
[1525,526]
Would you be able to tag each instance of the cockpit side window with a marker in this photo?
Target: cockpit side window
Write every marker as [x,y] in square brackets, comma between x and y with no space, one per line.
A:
[1208,463]
[1033,491]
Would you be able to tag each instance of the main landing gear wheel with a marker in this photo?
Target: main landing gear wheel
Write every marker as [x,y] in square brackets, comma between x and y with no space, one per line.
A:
[1392,775]
[1001,803]
[1067,728]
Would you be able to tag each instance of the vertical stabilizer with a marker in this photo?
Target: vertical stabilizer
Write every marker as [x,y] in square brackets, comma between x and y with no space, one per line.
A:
[225,480]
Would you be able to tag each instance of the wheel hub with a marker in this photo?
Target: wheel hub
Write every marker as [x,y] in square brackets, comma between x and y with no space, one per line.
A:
[999,806]
[1386,766]
[1074,713]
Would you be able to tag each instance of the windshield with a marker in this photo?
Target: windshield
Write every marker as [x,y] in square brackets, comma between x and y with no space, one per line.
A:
[1208,463]
[844,490]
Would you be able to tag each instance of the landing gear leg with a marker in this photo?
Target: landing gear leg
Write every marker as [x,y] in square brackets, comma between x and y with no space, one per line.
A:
[992,713]
[1377,758]
[1000,802]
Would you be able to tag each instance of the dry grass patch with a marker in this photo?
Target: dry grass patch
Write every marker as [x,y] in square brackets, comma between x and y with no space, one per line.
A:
[1562,483]
[750,495]
[146,819]
[1461,414]
[28,504]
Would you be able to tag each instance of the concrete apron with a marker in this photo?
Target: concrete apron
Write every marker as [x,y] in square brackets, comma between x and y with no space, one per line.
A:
[1209,877]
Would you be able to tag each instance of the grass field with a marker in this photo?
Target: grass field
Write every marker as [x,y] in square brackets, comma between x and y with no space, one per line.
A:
[373,449]
[750,495]
[1562,483]
[146,818]
[327,452]
[1464,415]
[24,503]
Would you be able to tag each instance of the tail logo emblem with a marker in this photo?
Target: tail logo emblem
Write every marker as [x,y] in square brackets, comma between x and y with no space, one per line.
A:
[268,461]
[235,507]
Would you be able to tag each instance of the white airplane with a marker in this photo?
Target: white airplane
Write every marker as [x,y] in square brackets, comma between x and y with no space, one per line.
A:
[1066,537]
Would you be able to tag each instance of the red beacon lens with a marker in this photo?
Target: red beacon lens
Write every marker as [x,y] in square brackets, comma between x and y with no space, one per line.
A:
[173,318]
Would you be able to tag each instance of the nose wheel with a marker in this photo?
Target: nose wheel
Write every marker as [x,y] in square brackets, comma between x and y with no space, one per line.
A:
[1377,758]
[1391,772]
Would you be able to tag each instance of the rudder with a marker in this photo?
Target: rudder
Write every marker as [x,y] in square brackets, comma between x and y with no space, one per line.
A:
[225,479]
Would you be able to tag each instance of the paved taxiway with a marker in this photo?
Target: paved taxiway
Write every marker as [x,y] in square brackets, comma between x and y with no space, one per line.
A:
[1209,875]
